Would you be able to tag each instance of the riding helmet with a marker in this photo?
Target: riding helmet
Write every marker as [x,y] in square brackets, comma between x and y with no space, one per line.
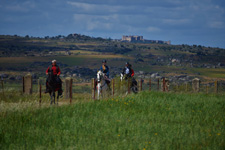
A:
[103,61]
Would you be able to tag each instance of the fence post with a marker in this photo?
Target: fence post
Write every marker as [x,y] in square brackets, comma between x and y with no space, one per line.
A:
[140,84]
[207,88]
[150,84]
[68,88]
[164,84]
[113,86]
[27,84]
[196,85]
[3,87]
[23,86]
[167,84]
[71,93]
[186,86]
[216,86]
[128,86]
[40,95]
[158,85]
[39,89]
[93,88]
[177,87]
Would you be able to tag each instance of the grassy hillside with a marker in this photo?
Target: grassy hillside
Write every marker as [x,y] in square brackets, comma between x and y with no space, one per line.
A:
[29,53]
[144,121]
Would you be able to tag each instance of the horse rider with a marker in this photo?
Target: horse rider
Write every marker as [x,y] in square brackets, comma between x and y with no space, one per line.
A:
[56,71]
[105,69]
[128,72]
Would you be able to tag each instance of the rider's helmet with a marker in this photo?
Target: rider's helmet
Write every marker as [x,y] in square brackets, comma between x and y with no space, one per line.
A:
[127,63]
[54,61]
[103,61]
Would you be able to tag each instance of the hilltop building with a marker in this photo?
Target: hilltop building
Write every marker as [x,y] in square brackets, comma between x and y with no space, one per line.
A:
[132,38]
[136,38]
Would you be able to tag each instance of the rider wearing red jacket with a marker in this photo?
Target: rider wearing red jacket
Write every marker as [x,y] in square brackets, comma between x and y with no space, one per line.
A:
[56,71]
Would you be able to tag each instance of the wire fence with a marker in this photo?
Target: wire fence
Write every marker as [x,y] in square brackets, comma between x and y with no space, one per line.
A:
[8,87]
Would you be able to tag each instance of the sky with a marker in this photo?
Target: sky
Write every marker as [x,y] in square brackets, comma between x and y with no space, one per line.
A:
[199,22]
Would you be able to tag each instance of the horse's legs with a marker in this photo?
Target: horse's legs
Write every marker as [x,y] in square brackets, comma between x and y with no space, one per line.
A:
[58,98]
[99,89]
[51,97]
[54,96]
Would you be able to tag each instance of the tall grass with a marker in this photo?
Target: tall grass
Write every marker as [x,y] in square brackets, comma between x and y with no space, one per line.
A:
[144,121]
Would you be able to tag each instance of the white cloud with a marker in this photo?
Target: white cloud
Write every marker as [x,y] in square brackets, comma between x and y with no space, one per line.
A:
[93,8]
[176,21]
[216,24]
[153,29]
[95,22]
[84,6]
[17,8]
[21,6]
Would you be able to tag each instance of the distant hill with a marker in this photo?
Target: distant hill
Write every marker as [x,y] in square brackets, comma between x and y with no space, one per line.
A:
[87,52]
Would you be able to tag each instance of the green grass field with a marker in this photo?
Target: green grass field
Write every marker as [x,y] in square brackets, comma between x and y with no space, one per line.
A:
[144,121]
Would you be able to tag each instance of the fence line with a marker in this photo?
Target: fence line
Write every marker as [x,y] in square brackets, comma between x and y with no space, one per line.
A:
[152,85]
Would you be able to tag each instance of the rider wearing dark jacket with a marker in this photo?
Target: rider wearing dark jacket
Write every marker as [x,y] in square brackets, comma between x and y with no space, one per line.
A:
[104,68]
[56,71]
[127,71]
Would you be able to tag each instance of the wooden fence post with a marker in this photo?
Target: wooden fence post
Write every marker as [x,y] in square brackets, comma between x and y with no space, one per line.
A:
[3,87]
[158,85]
[207,88]
[216,86]
[150,84]
[27,84]
[196,85]
[71,93]
[164,84]
[167,84]
[23,86]
[40,95]
[186,86]
[39,89]
[113,86]
[68,87]
[93,88]
[128,85]
[140,85]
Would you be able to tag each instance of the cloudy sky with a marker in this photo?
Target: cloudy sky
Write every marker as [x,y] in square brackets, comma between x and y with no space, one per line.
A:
[200,22]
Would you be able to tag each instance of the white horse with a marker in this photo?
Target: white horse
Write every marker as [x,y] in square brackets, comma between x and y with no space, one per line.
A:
[133,84]
[101,83]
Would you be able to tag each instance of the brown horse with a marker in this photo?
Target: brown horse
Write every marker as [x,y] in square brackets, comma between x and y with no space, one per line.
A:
[53,86]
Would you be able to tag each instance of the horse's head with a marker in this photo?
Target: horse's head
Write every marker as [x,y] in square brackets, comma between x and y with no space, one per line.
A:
[99,75]
[121,77]
[51,77]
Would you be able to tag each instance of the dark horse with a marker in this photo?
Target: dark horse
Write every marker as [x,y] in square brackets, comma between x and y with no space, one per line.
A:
[53,84]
